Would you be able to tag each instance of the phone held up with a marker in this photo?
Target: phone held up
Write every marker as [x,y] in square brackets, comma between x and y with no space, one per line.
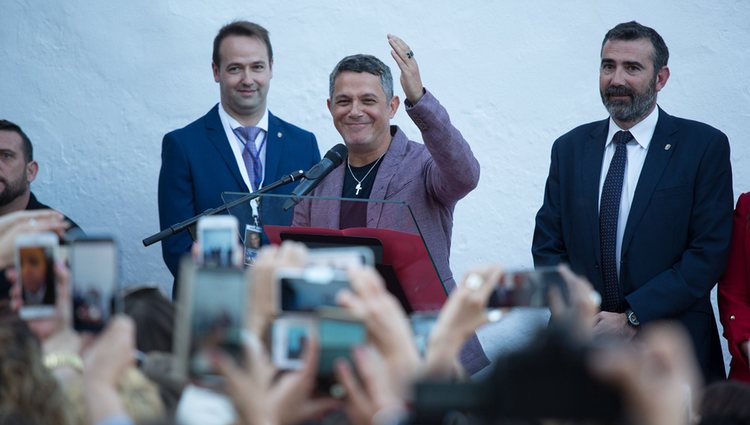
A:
[94,271]
[219,238]
[211,313]
[528,288]
[36,255]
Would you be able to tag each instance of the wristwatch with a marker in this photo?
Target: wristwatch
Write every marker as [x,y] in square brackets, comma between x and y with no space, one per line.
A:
[632,318]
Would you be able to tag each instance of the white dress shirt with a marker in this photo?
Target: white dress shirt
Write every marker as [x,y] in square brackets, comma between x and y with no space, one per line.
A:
[238,145]
[637,150]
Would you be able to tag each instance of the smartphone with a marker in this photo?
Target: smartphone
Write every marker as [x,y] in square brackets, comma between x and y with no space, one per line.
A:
[218,238]
[210,319]
[340,258]
[94,272]
[290,335]
[305,290]
[528,288]
[337,334]
[35,261]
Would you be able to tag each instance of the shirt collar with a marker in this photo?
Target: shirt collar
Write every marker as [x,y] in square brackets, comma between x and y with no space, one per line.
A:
[642,132]
[233,123]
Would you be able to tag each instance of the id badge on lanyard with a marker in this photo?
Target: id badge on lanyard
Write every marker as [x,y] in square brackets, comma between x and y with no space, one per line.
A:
[253,234]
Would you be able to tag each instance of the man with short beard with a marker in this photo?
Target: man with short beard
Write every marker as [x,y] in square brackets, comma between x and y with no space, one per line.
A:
[17,170]
[641,203]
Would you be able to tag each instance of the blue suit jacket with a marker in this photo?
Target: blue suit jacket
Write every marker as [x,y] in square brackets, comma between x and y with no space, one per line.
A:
[197,165]
[678,232]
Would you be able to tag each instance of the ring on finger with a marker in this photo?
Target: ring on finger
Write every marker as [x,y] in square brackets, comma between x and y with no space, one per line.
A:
[473,281]
[32,222]
[595,298]
[410,54]
[494,315]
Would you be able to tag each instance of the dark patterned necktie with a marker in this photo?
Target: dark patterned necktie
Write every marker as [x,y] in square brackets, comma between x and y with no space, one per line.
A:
[251,154]
[609,210]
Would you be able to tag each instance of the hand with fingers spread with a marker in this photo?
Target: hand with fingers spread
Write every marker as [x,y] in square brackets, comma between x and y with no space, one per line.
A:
[659,377]
[387,326]
[20,222]
[263,280]
[462,314]
[288,401]
[372,394]
[583,306]
[410,78]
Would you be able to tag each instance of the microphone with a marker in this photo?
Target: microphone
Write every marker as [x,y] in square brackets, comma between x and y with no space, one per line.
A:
[315,175]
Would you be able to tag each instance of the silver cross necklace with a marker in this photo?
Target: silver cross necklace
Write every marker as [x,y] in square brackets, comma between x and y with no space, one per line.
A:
[359,182]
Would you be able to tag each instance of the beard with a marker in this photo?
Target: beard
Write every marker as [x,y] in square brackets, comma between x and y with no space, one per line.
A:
[13,189]
[639,104]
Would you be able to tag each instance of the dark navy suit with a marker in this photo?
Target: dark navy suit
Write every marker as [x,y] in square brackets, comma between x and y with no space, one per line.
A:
[197,165]
[678,232]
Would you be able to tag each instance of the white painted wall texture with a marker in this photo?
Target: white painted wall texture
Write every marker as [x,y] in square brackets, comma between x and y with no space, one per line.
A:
[96,84]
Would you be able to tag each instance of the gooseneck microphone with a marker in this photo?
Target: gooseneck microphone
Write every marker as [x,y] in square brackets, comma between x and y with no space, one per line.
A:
[316,174]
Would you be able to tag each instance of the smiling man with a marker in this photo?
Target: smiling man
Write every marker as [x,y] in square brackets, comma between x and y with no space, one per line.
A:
[641,203]
[384,164]
[238,146]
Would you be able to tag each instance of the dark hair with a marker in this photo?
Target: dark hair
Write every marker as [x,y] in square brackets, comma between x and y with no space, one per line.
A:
[630,31]
[153,315]
[243,28]
[28,150]
[363,63]
[724,403]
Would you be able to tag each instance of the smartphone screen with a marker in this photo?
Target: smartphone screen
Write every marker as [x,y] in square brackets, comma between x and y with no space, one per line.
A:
[310,289]
[94,274]
[528,288]
[290,336]
[217,318]
[218,239]
[35,262]
[340,258]
[337,339]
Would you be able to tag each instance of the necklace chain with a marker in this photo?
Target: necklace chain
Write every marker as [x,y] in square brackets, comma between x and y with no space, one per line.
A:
[359,182]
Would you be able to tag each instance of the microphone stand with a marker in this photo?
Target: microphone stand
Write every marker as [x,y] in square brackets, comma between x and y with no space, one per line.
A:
[179,227]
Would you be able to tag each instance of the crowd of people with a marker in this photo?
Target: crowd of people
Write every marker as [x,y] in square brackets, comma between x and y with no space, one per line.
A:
[636,219]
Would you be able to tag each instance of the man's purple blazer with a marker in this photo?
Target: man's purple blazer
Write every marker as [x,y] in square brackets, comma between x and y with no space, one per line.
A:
[431,178]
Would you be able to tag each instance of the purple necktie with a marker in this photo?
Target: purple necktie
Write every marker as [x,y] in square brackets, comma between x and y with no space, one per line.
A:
[251,154]
[609,211]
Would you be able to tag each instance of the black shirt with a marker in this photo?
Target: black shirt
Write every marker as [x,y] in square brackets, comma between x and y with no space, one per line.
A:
[354,214]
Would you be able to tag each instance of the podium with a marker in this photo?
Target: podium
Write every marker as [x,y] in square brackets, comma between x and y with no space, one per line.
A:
[401,256]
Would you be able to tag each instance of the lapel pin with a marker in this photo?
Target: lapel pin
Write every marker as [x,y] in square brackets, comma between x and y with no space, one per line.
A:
[279,135]
[667,147]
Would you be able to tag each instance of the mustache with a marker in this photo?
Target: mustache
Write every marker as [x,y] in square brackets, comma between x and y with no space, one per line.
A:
[618,91]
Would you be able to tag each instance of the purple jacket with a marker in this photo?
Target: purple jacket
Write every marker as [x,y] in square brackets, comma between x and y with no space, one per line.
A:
[431,178]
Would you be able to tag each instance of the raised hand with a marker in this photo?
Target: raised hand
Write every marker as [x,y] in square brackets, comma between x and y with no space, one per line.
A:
[411,82]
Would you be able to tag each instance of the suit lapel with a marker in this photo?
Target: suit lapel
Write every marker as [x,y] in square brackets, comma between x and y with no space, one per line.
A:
[274,149]
[657,158]
[590,174]
[218,138]
[388,168]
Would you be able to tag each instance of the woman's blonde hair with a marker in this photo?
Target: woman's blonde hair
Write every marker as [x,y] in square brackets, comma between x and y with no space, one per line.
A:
[27,387]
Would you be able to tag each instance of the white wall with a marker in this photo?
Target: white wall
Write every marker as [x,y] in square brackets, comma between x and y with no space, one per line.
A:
[96,84]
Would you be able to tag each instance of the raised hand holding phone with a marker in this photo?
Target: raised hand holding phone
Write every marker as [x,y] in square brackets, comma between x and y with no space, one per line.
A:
[36,254]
